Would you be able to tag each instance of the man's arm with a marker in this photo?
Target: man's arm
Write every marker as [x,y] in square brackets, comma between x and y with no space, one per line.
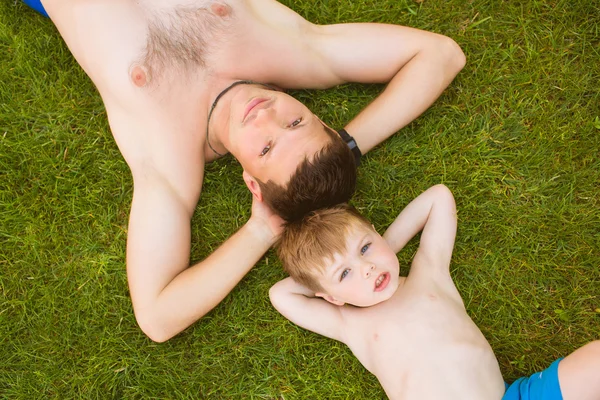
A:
[418,65]
[167,295]
[299,305]
[433,212]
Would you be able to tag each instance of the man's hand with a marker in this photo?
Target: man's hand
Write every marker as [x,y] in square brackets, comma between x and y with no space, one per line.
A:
[265,222]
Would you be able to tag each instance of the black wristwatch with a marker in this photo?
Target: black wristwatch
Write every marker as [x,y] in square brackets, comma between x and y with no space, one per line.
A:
[352,144]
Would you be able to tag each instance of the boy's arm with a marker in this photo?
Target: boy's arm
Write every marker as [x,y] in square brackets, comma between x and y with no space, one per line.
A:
[433,212]
[299,305]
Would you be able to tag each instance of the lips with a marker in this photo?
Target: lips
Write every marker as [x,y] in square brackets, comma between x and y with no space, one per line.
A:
[382,281]
[251,106]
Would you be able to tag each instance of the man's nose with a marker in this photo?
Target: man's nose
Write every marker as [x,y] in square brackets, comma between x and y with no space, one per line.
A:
[367,269]
[265,115]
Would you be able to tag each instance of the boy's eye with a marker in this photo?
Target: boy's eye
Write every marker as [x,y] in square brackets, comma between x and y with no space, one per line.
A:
[364,249]
[265,150]
[296,122]
[344,274]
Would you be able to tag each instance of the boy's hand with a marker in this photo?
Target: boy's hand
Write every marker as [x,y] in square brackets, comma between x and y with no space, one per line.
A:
[268,224]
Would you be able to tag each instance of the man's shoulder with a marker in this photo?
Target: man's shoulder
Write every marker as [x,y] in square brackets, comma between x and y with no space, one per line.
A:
[160,150]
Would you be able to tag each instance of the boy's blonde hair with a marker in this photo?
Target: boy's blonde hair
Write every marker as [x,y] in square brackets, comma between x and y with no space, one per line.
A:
[306,245]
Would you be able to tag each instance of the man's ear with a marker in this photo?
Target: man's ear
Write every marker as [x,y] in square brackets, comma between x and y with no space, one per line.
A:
[324,124]
[253,185]
[330,299]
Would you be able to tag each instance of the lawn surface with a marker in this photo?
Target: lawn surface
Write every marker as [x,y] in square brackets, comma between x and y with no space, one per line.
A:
[516,137]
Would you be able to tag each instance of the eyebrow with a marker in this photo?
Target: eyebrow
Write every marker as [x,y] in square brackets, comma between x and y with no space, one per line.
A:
[305,124]
[336,269]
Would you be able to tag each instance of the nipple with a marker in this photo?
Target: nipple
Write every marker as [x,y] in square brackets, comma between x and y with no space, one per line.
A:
[139,76]
[222,10]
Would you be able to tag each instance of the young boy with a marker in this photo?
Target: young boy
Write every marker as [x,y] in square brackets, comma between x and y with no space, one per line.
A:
[412,333]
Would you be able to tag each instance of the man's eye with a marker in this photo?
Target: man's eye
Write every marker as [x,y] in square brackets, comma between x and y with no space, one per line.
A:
[344,274]
[296,122]
[364,249]
[265,150]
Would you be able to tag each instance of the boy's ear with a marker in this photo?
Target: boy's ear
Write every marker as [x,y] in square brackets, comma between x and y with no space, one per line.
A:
[252,185]
[330,299]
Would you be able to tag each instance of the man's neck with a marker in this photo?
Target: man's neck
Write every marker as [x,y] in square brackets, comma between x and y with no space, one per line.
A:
[218,104]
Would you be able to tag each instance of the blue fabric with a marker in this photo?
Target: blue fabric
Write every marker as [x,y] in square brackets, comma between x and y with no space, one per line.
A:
[539,386]
[37,6]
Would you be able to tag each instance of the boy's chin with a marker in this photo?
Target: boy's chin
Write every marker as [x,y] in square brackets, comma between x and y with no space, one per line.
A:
[373,302]
[368,303]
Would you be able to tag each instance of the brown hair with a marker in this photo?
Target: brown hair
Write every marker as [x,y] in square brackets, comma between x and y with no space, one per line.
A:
[326,180]
[306,245]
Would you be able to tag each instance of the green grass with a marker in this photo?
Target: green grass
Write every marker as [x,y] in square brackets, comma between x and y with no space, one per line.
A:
[516,137]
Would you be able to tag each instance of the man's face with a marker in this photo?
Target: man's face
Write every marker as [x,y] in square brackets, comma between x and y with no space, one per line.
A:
[366,274]
[270,133]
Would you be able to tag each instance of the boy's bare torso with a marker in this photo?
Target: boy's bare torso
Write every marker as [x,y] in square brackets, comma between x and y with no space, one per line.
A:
[421,344]
[158,64]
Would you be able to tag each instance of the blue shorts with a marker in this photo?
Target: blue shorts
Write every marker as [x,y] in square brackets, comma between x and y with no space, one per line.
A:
[542,385]
[37,6]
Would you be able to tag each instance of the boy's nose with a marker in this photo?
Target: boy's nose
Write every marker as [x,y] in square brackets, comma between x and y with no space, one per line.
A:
[368,269]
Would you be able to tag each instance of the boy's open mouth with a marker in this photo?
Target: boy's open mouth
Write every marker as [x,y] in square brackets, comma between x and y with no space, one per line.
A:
[382,281]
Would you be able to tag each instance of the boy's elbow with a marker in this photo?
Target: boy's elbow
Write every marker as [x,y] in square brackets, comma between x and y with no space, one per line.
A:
[443,189]
[459,58]
[281,295]
[149,324]
[274,294]
[453,55]
[444,195]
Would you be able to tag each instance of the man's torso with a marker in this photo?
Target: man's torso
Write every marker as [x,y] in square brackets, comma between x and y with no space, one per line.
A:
[157,64]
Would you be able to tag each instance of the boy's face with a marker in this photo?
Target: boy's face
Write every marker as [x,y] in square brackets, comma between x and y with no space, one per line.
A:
[365,275]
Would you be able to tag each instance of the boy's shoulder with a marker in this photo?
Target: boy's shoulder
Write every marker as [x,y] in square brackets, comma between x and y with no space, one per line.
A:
[427,272]
[416,297]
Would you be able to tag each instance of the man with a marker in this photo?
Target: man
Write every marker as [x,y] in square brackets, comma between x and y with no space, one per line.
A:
[161,67]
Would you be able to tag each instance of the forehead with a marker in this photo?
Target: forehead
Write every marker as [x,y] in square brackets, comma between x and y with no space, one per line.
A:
[293,148]
[350,237]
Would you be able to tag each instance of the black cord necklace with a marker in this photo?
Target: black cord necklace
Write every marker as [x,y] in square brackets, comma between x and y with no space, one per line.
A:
[342,132]
[214,104]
